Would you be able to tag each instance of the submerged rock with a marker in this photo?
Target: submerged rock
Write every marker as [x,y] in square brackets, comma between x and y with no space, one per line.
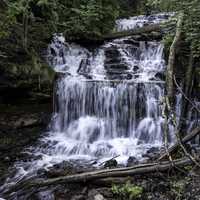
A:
[132,161]
[95,195]
[153,150]
[110,164]
[61,169]
[78,197]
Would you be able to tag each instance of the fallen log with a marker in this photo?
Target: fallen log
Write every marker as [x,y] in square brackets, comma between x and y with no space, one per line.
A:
[149,32]
[101,174]
[136,31]
[186,139]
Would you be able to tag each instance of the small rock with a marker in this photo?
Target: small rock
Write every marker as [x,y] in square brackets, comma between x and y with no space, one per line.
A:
[95,195]
[132,161]
[41,172]
[78,197]
[60,169]
[99,197]
[110,164]
[45,195]
[135,68]
[7,159]
[153,150]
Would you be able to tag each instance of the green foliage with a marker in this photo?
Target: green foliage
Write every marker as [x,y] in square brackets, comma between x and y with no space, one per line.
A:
[191,10]
[130,8]
[89,18]
[77,18]
[177,188]
[127,191]
[6,21]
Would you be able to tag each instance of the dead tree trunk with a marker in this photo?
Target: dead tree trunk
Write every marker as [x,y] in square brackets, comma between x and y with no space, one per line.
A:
[101,174]
[172,56]
[186,139]
[187,90]
[189,76]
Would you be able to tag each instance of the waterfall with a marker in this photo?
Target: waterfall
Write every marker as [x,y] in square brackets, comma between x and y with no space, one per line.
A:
[108,99]
[108,102]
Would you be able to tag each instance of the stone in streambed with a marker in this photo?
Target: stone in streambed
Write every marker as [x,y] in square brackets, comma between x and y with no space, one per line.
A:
[110,164]
[152,153]
[61,169]
[95,195]
[78,197]
[132,161]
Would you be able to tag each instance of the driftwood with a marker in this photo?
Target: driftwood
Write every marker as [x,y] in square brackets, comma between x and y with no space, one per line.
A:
[171,60]
[186,139]
[101,174]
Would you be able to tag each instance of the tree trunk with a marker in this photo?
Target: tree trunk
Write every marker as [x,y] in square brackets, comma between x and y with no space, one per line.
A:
[25,29]
[188,89]
[171,60]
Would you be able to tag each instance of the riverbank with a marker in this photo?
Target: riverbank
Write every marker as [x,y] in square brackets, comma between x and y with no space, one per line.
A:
[21,125]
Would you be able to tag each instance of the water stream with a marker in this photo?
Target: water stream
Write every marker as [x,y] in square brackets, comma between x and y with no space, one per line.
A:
[108,102]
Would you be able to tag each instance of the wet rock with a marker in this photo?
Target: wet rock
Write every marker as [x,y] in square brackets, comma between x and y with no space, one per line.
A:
[110,164]
[95,195]
[7,159]
[78,197]
[153,150]
[135,68]
[44,195]
[99,197]
[116,66]
[132,161]
[133,42]
[112,52]
[160,76]
[41,172]
[14,137]
[25,122]
[61,169]
[152,153]
[129,76]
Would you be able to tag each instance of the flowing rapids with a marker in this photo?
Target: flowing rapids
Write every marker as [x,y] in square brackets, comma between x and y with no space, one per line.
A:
[108,102]
[114,108]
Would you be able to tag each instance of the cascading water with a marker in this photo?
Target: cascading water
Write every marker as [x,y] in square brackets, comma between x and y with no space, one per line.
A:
[108,102]
[114,112]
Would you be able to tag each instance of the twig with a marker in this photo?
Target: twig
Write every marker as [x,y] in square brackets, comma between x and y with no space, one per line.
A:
[185,96]
[173,118]
[186,139]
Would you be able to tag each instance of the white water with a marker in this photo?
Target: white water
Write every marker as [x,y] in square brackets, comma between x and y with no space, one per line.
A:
[108,103]
[140,21]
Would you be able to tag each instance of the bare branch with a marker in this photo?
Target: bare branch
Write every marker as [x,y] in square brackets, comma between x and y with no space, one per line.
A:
[185,96]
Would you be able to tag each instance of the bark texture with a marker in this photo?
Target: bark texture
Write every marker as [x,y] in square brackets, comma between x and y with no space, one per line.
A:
[172,57]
